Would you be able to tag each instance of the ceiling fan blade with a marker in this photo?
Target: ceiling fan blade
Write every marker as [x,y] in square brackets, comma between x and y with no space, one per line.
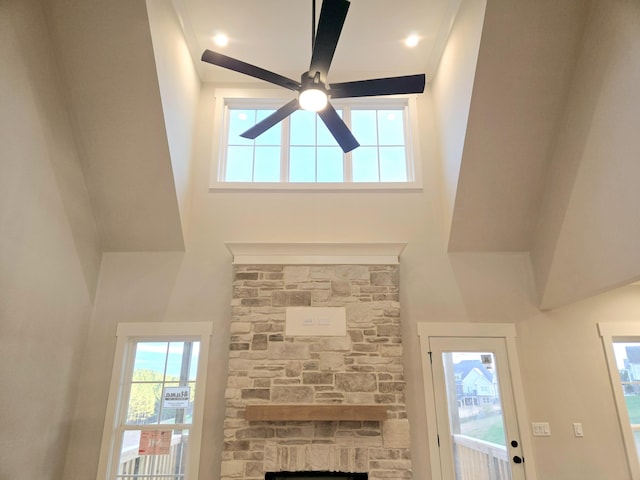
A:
[338,128]
[239,66]
[379,86]
[332,17]
[276,117]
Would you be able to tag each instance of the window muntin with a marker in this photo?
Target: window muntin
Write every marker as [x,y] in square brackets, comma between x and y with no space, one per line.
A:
[301,151]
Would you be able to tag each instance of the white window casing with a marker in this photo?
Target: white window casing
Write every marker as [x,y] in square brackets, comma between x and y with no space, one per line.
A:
[273,99]
[128,334]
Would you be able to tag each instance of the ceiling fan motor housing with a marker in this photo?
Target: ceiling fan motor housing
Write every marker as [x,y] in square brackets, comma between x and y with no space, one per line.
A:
[312,81]
[313,92]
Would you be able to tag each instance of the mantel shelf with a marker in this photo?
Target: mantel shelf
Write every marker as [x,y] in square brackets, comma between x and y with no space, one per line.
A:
[280,412]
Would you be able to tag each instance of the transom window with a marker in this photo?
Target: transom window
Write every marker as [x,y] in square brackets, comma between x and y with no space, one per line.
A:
[300,150]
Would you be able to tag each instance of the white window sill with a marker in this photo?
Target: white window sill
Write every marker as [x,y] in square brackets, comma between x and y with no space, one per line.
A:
[316,187]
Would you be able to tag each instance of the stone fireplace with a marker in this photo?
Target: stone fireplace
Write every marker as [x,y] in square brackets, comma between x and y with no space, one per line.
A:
[359,369]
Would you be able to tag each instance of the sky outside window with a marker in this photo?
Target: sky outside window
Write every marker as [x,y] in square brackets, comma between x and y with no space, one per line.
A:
[313,155]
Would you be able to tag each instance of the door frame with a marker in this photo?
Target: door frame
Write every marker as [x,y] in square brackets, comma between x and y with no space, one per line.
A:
[505,331]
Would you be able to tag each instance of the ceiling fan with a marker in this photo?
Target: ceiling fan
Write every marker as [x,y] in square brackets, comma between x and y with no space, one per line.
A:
[313,87]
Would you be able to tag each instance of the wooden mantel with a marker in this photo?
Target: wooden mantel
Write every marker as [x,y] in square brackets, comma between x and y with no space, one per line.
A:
[315,412]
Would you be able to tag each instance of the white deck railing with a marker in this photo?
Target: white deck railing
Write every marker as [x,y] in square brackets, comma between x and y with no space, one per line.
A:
[479,460]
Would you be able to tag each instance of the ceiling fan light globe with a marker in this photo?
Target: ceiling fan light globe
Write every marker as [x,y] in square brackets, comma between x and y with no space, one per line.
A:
[313,99]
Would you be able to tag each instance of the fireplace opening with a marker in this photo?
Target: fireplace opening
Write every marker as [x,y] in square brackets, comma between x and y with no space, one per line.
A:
[316,475]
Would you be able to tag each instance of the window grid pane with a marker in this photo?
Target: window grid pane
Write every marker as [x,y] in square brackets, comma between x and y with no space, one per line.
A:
[313,155]
[330,164]
[302,163]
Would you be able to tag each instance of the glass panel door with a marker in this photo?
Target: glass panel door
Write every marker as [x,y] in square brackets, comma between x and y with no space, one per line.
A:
[477,427]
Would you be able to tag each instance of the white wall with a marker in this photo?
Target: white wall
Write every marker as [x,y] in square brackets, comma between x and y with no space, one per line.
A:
[562,361]
[452,87]
[106,58]
[563,366]
[49,252]
[586,238]
[180,91]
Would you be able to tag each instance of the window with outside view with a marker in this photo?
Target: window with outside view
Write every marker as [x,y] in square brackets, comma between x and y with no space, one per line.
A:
[301,150]
[153,423]
[621,342]
[628,363]
[159,417]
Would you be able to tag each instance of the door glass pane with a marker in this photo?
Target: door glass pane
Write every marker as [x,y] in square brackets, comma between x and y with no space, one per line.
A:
[153,454]
[475,416]
[628,363]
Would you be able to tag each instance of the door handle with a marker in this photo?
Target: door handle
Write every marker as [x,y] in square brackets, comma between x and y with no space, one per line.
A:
[517,459]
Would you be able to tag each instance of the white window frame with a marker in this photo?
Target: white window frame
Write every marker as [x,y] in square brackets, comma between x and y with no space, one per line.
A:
[611,332]
[507,331]
[127,336]
[275,99]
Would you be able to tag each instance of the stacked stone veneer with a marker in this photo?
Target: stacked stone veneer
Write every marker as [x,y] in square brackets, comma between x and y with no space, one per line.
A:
[364,367]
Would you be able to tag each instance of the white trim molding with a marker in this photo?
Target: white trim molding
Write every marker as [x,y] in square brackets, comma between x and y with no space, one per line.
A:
[504,330]
[253,253]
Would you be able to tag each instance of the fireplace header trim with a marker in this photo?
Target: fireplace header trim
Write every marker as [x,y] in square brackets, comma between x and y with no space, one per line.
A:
[257,253]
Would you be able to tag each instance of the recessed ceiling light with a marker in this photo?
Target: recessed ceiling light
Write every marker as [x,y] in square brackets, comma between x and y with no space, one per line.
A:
[411,41]
[221,40]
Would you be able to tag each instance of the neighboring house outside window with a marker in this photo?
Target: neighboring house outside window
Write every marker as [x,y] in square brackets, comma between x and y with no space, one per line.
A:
[475,384]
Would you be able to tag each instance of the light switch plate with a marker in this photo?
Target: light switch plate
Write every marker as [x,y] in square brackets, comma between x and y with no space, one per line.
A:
[541,429]
[577,430]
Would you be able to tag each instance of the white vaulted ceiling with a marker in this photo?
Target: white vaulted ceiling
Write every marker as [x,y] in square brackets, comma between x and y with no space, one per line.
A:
[515,179]
[276,35]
